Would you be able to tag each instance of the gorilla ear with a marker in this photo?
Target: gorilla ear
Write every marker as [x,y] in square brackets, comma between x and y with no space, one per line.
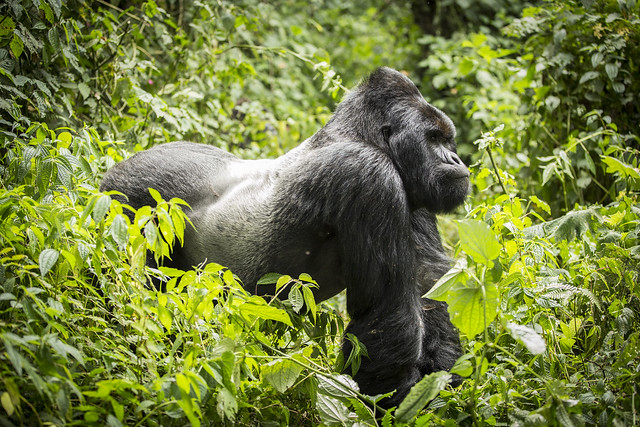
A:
[386,133]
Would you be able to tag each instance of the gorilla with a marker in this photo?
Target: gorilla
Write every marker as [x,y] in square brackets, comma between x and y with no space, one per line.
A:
[354,206]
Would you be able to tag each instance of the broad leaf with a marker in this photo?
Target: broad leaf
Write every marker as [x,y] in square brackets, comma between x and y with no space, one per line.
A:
[450,278]
[281,374]
[120,230]
[527,337]
[468,306]
[331,410]
[337,385]
[47,260]
[265,312]
[478,241]
[421,394]
[623,169]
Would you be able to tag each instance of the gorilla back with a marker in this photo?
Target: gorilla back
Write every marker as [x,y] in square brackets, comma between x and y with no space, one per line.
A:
[354,206]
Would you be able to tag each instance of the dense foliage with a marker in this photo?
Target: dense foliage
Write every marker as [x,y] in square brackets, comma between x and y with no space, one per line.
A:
[545,288]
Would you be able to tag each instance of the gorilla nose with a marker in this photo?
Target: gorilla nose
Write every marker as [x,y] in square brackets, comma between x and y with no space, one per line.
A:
[454,159]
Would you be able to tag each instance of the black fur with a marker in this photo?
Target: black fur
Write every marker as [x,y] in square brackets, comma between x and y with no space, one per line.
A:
[354,206]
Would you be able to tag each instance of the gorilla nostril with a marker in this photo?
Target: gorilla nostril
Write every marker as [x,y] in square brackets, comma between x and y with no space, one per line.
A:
[454,159]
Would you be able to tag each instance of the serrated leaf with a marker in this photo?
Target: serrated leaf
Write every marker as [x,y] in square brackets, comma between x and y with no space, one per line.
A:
[337,386]
[281,374]
[527,337]
[120,230]
[331,410]
[84,90]
[541,204]
[478,241]
[101,207]
[624,170]
[420,394]
[47,260]
[468,305]
[296,299]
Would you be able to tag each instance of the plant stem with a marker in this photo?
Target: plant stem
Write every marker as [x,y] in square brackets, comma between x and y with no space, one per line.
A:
[496,170]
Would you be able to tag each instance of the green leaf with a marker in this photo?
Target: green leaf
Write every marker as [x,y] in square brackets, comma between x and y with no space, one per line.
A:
[156,195]
[47,260]
[337,386]
[118,409]
[596,59]
[331,410]
[6,26]
[120,230]
[465,66]
[310,301]
[478,241]
[296,299]
[541,204]
[172,272]
[612,70]
[227,405]
[165,316]
[552,102]
[101,207]
[65,349]
[281,374]
[450,278]
[421,394]
[282,281]
[183,383]
[527,337]
[463,366]
[269,279]
[7,404]
[16,45]
[468,305]
[589,75]
[265,312]
[624,170]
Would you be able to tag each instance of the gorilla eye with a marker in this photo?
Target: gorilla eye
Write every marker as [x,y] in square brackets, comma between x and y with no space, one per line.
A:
[434,136]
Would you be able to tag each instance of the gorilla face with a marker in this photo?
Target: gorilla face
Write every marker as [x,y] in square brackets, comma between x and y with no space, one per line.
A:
[422,147]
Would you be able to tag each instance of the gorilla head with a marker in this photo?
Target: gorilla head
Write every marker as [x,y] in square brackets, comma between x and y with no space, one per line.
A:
[388,111]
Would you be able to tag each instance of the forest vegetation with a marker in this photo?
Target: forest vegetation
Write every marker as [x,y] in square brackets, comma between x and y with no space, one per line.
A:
[545,284]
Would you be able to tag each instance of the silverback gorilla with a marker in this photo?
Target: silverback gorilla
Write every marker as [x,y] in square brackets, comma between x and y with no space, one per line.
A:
[354,206]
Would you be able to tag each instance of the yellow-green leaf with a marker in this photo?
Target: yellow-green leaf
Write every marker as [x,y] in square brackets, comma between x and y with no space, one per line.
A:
[265,312]
[478,241]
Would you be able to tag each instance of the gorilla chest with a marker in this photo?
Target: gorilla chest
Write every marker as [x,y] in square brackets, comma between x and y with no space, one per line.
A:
[314,251]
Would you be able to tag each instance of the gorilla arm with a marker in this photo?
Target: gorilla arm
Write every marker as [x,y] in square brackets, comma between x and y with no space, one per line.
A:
[365,205]
[441,343]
